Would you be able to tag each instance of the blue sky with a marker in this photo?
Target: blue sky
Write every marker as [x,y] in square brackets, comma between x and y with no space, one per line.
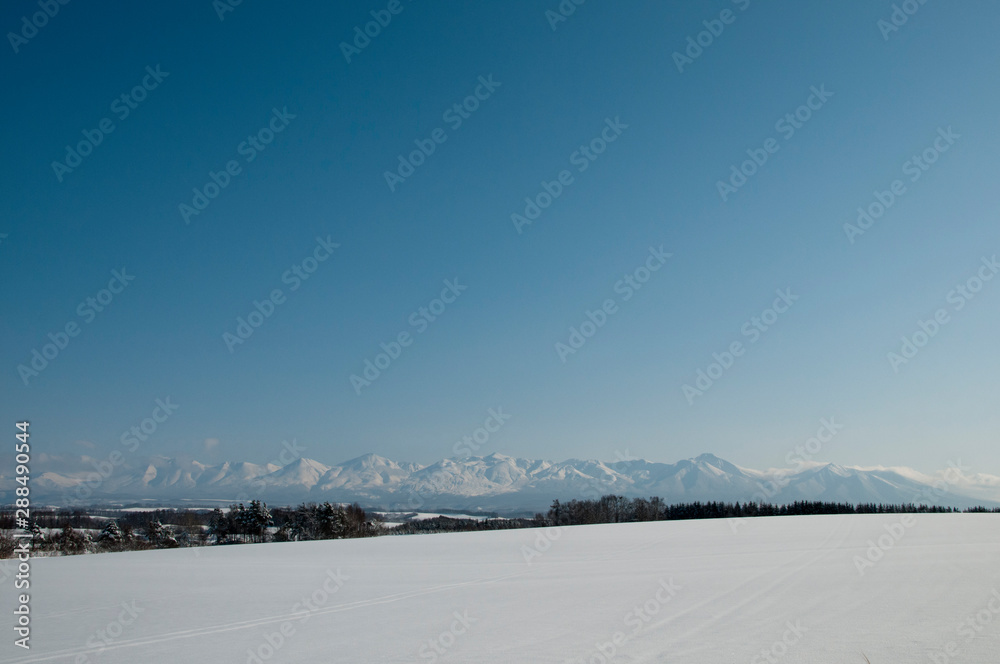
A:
[552,92]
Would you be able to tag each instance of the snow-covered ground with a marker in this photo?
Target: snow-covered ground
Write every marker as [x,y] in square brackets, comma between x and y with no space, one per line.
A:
[800,589]
[396,519]
[423,516]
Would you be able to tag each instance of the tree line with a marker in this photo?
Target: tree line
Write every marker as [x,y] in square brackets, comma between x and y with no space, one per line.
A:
[74,532]
[619,509]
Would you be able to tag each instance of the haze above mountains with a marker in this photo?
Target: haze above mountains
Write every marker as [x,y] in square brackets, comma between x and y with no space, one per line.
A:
[494,482]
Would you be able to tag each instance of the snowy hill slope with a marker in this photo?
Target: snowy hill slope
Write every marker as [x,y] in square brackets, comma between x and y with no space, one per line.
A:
[796,589]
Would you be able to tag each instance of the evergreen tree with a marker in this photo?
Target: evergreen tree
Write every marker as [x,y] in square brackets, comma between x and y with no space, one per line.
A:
[303,524]
[256,520]
[71,542]
[111,537]
[38,539]
[154,533]
[218,526]
[331,520]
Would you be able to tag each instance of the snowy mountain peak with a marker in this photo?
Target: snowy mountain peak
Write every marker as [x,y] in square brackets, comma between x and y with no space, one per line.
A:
[370,461]
[497,481]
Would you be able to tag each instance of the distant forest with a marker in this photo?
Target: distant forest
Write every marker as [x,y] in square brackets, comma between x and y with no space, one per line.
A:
[618,509]
[68,532]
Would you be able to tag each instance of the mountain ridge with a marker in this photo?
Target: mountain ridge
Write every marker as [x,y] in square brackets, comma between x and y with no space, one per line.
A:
[495,481]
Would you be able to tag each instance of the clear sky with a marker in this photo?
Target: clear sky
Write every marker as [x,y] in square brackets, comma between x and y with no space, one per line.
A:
[333,128]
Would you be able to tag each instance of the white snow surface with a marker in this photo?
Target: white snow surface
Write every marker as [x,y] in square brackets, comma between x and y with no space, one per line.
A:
[423,516]
[735,587]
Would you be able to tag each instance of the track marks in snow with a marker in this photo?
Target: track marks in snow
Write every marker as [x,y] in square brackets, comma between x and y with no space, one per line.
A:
[847,526]
[260,622]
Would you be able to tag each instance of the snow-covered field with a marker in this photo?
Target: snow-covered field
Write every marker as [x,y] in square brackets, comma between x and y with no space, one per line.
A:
[407,517]
[423,516]
[800,589]
[394,519]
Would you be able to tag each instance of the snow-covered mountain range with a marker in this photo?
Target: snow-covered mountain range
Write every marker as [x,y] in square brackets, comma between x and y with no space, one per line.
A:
[494,482]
